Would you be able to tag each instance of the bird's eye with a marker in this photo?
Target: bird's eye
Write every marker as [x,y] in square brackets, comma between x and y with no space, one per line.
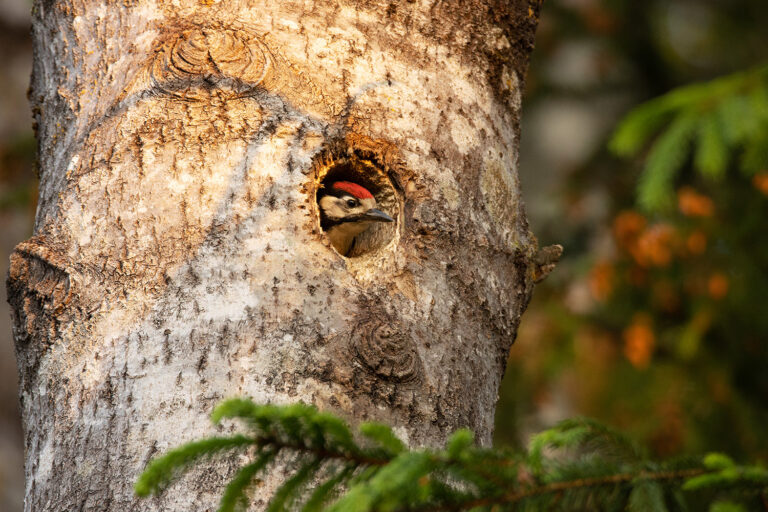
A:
[351,203]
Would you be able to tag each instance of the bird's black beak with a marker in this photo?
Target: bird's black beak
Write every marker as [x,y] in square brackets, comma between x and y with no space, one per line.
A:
[375,215]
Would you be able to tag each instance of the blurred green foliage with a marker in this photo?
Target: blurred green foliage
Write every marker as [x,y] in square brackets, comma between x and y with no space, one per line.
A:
[718,118]
[655,321]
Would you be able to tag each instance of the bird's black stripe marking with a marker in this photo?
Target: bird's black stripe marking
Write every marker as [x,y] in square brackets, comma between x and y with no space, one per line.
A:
[327,223]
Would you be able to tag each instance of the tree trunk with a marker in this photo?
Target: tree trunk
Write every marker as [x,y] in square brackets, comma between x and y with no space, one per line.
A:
[178,257]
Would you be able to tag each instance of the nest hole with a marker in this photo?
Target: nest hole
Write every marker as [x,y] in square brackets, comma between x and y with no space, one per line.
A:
[368,175]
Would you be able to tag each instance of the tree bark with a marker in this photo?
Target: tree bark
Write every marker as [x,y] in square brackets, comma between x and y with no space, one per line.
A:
[178,257]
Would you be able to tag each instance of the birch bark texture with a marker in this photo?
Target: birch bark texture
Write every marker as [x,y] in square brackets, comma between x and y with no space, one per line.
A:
[178,259]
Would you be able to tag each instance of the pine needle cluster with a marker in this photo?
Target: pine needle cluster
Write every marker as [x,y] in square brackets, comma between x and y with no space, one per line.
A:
[721,121]
[577,465]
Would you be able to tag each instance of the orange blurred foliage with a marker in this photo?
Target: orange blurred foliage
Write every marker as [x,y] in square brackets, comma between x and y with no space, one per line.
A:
[719,387]
[665,296]
[594,347]
[693,204]
[717,286]
[760,181]
[637,276]
[627,226]
[599,20]
[648,245]
[639,341]
[601,281]
[654,246]
[669,437]
[696,243]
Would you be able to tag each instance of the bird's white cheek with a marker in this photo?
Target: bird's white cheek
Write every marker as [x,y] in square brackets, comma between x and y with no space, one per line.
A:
[330,206]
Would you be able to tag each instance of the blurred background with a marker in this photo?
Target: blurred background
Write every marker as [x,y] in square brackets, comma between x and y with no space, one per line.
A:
[656,319]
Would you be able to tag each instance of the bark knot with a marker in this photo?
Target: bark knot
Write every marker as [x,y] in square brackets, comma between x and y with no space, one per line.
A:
[208,57]
[42,294]
[386,351]
[39,286]
[191,63]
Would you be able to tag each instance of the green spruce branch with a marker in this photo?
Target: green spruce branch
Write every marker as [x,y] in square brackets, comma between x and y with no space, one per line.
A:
[577,465]
[580,484]
[720,123]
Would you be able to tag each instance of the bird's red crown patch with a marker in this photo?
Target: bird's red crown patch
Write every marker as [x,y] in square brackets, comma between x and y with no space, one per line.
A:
[352,188]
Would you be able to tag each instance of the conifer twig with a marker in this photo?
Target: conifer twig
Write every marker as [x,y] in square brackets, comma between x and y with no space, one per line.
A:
[556,487]
[378,472]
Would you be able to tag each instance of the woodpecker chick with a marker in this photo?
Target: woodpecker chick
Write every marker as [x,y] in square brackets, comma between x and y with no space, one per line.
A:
[346,210]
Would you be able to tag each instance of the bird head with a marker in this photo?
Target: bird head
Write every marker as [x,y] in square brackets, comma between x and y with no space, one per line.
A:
[346,210]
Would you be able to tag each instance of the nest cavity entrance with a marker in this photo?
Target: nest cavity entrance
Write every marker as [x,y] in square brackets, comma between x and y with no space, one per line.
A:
[367,174]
